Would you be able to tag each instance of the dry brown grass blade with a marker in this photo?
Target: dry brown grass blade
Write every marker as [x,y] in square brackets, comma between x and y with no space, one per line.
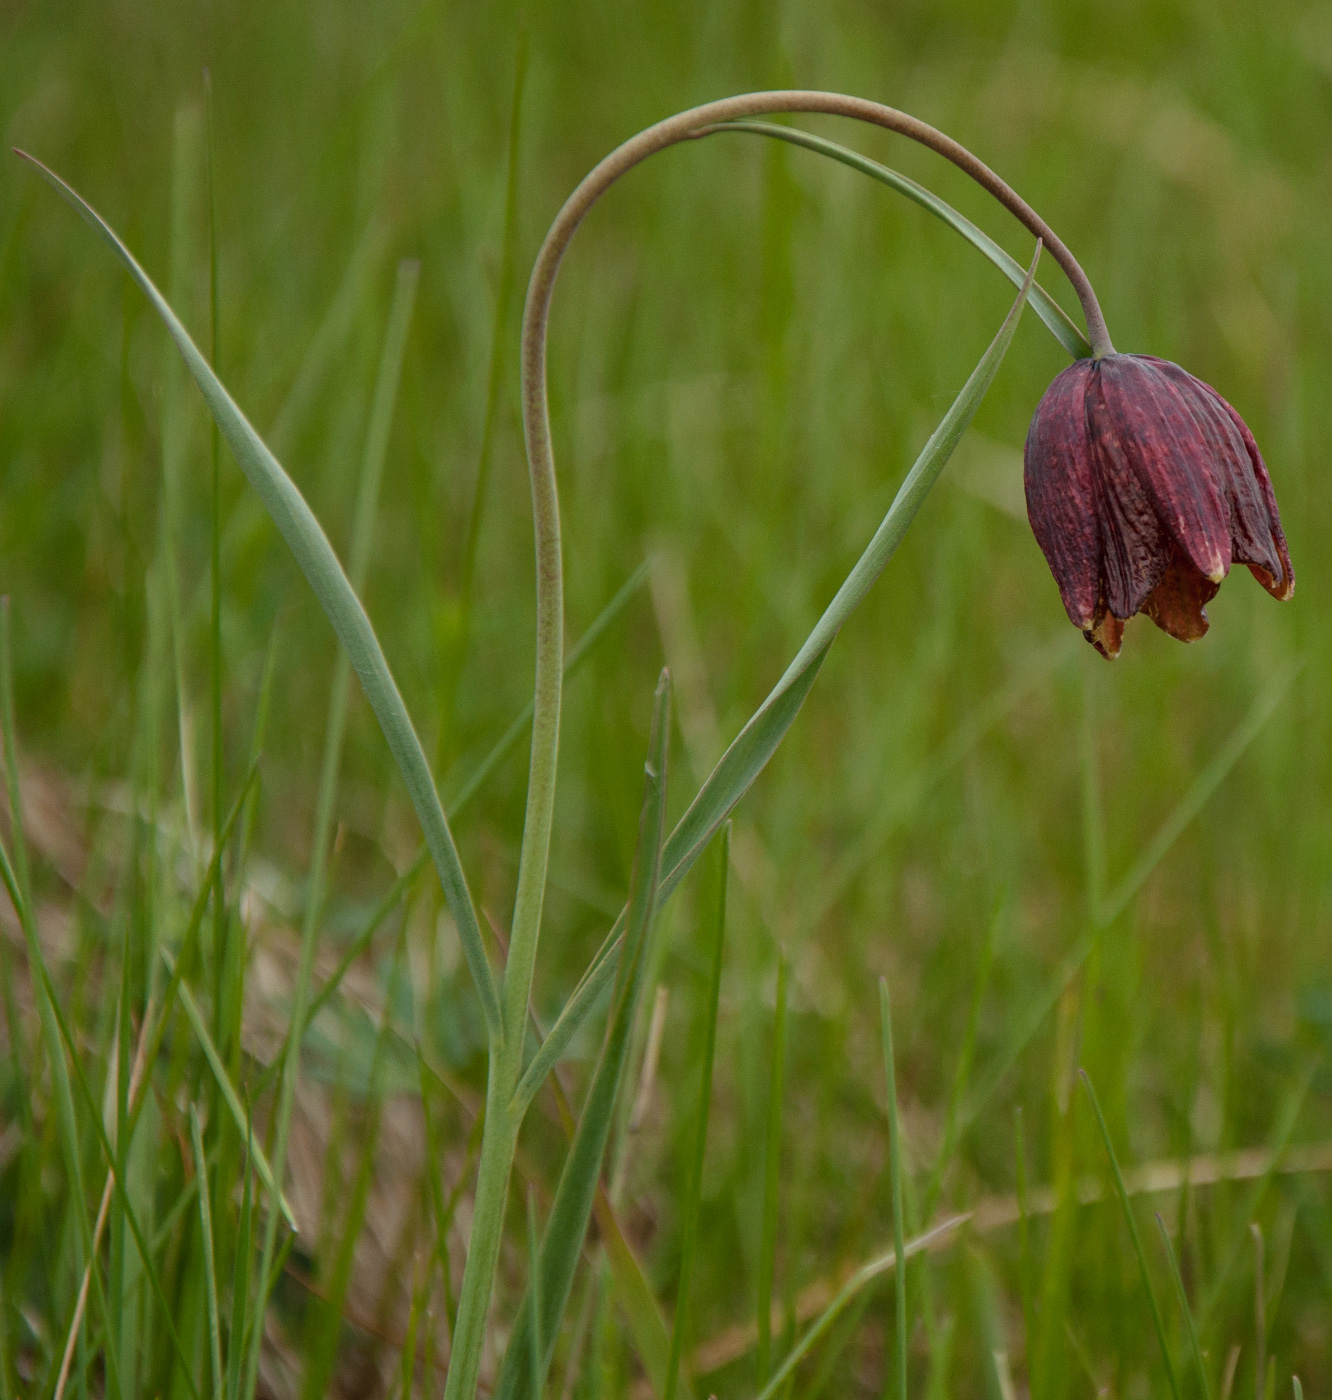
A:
[997,1212]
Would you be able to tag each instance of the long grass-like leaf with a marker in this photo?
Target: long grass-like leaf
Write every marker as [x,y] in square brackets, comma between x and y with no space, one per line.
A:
[19,1053]
[561,1246]
[1131,1220]
[1042,303]
[315,557]
[1182,1297]
[229,1096]
[863,1276]
[751,749]
[16,881]
[240,1277]
[694,1186]
[772,1148]
[895,1161]
[131,1216]
[210,1264]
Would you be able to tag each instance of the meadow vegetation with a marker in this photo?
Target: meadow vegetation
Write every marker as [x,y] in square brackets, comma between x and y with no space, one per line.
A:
[1053,862]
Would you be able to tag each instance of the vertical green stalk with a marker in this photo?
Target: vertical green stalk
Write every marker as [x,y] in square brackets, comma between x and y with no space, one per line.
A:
[18,1046]
[771,1178]
[240,1274]
[215,580]
[18,884]
[895,1159]
[1132,1223]
[210,1265]
[534,1298]
[1182,1297]
[506,1047]
[1259,1315]
[694,1186]
[1024,1237]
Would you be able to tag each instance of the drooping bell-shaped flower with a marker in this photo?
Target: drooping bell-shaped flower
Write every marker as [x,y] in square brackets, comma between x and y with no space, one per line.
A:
[1143,487]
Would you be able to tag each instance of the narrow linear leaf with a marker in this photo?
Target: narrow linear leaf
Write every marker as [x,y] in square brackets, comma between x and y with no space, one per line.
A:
[694,1186]
[772,1149]
[1132,1223]
[863,1276]
[895,1160]
[229,1095]
[1182,1297]
[561,1246]
[240,1278]
[751,749]
[1043,304]
[210,1264]
[315,557]
[131,1216]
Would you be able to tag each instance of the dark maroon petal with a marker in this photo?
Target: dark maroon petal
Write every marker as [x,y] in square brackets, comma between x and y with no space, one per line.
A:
[1280,583]
[1177,603]
[1060,498]
[1135,548]
[1143,427]
[1252,539]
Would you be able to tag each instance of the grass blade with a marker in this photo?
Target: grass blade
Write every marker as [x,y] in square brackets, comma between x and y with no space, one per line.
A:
[751,749]
[694,1187]
[1183,1298]
[561,1247]
[240,1278]
[227,1090]
[1042,303]
[1024,1232]
[863,1276]
[317,561]
[1122,1191]
[534,1297]
[18,1041]
[1259,1314]
[772,1175]
[210,1266]
[131,1216]
[895,1157]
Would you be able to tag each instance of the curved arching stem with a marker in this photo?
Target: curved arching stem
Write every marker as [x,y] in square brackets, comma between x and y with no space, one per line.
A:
[503,1117]
[541,463]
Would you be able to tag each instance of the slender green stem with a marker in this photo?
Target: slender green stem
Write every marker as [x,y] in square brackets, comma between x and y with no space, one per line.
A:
[1157,1322]
[210,1265]
[215,580]
[895,1159]
[1182,1297]
[506,1056]
[693,1189]
[771,1176]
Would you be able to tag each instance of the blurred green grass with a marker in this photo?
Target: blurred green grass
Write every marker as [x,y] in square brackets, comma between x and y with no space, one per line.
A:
[748,348]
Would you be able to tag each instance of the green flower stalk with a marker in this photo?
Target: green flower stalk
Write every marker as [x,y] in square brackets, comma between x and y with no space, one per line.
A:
[503,1114]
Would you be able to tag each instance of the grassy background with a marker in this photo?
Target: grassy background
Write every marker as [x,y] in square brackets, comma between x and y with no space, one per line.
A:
[748,348]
